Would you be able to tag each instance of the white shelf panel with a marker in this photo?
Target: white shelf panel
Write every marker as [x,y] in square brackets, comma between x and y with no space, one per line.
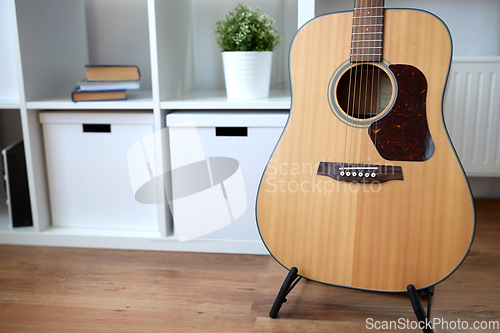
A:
[10,104]
[217,100]
[4,209]
[9,82]
[67,237]
[136,100]
[4,216]
[101,232]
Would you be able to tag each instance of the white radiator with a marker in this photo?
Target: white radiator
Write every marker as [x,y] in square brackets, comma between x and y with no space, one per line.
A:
[472,113]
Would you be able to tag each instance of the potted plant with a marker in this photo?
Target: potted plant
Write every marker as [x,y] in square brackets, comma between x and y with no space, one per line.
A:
[247,39]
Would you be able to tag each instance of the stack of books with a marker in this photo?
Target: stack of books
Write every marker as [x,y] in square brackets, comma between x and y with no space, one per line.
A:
[107,83]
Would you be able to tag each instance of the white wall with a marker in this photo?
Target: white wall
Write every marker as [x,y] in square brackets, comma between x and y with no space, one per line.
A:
[117,32]
[474,24]
[8,76]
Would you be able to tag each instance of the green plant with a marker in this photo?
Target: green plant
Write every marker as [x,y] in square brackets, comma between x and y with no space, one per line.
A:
[245,29]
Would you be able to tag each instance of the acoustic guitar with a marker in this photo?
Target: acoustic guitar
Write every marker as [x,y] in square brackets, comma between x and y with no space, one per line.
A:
[364,188]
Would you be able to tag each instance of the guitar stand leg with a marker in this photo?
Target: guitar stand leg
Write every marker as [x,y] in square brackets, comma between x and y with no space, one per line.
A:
[290,281]
[415,295]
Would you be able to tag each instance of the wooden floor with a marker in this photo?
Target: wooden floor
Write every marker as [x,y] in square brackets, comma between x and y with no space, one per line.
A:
[46,289]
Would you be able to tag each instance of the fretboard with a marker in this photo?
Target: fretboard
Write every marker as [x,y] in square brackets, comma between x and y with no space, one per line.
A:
[367,31]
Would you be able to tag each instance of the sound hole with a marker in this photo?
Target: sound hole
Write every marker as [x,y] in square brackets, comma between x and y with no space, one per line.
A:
[364,91]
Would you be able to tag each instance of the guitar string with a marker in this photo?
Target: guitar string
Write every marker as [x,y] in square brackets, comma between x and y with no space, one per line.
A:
[370,111]
[347,121]
[373,106]
[362,102]
[381,4]
[365,70]
[362,68]
[363,91]
[350,87]
[375,72]
[379,95]
[374,68]
[355,108]
[361,107]
[359,95]
[379,91]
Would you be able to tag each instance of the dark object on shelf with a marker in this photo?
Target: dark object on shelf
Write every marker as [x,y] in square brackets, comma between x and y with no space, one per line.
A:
[16,179]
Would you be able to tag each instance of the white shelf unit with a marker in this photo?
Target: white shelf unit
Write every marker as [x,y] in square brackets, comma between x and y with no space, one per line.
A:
[57,38]
[48,42]
[45,44]
[189,60]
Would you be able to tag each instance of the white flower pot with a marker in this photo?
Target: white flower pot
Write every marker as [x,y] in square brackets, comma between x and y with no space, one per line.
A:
[247,74]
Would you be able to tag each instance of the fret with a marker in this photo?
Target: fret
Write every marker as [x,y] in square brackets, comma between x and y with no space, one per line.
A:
[367,21]
[368,26]
[367,40]
[366,47]
[371,50]
[368,3]
[362,38]
[375,13]
[367,58]
[362,52]
[374,30]
[367,8]
[367,50]
[368,16]
[377,36]
[367,33]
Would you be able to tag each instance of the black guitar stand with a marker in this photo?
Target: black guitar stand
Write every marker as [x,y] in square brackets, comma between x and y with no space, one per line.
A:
[424,319]
[291,281]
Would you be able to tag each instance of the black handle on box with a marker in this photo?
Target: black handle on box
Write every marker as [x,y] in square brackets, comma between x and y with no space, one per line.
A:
[231,131]
[97,128]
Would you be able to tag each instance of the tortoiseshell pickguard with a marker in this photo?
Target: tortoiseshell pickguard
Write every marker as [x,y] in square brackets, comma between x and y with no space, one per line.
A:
[403,134]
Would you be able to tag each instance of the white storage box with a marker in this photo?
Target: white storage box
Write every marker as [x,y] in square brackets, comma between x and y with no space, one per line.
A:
[89,184]
[236,146]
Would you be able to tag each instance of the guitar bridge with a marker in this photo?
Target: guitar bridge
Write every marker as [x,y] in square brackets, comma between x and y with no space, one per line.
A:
[360,173]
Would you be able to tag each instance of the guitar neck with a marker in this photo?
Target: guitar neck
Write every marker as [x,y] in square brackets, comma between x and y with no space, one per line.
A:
[367,31]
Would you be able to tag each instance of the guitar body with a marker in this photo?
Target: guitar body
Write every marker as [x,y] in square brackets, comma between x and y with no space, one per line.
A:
[377,235]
